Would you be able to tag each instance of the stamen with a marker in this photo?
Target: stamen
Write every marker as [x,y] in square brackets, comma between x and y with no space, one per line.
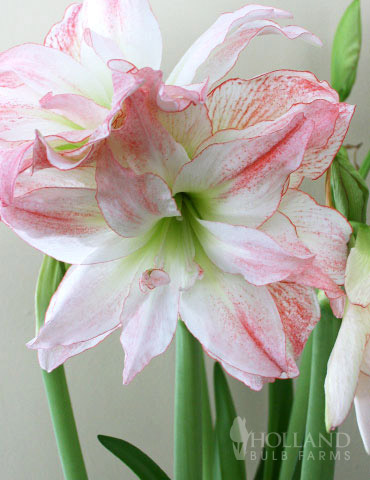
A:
[152,279]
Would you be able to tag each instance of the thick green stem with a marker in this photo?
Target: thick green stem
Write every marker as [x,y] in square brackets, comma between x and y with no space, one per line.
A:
[228,434]
[280,404]
[319,447]
[56,388]
[64,425]
[208,434]
[188,406]
[297,423]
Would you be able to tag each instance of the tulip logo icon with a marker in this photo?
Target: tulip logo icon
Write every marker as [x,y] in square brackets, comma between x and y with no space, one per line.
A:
[239,436]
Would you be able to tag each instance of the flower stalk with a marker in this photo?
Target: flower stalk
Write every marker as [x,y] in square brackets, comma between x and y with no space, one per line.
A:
[297,424]
[55,383]
[280,405]
[188,406]
[64,425]
[317,441]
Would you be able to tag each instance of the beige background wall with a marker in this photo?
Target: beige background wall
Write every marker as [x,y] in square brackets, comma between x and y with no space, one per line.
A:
[141,412]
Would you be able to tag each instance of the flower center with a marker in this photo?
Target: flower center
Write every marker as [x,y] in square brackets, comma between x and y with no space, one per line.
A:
[185,203]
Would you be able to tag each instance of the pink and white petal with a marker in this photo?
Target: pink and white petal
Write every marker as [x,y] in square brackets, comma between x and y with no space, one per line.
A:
[48,70]
[357,282]
[242,182]
[281,229]
[321,113]
[87,304]
[80,110]
[126,80]
[28,180]
[365,366]
[44,155]
[105,48]
[66,35]
[172,98]
[299,312]
[131,25]
[319,153]
[149,321]
[236,323]
[249,252]
[70,37]
[214,54]
[318,158]
[238,103]
[318,226]
[97,66]
[362,400]
[315,277]
[345,363]
[125,83]
[150,313]
[255,382]
[144,143]
[337,303]
[51,358]
[21,114]
[66,223]
[12,160]
[131,204]
[189,127]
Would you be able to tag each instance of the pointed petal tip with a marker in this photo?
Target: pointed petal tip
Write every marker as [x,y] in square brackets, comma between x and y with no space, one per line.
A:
[282,13]
[32,344]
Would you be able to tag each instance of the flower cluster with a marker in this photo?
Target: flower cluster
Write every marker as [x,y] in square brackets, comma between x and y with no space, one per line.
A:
[172,199]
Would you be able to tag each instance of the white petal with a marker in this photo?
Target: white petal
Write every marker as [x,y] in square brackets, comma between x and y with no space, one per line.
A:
[87,303]
[358,269]
[322,229]
[345,363]
[217,50]
[48,70]
[149,324]
[236,323]
[250,252]
[132,26]
[131,204]
[52,358]
[189,128]
[242,181]
[66,224]
[362,402]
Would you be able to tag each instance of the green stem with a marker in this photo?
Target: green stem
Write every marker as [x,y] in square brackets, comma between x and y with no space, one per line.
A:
[207,428]
[188,406]
[319,447]
[64,425]
[365,167]
[227,430]
[280,405]
[55,383]
[297,423]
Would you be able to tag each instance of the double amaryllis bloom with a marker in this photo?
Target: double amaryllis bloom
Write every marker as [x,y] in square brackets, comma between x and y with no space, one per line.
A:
[348,374]
[176,199]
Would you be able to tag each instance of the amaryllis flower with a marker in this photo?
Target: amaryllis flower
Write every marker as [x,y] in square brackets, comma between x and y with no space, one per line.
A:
[191,216]
[348,374]
[191,209]
[59,100]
